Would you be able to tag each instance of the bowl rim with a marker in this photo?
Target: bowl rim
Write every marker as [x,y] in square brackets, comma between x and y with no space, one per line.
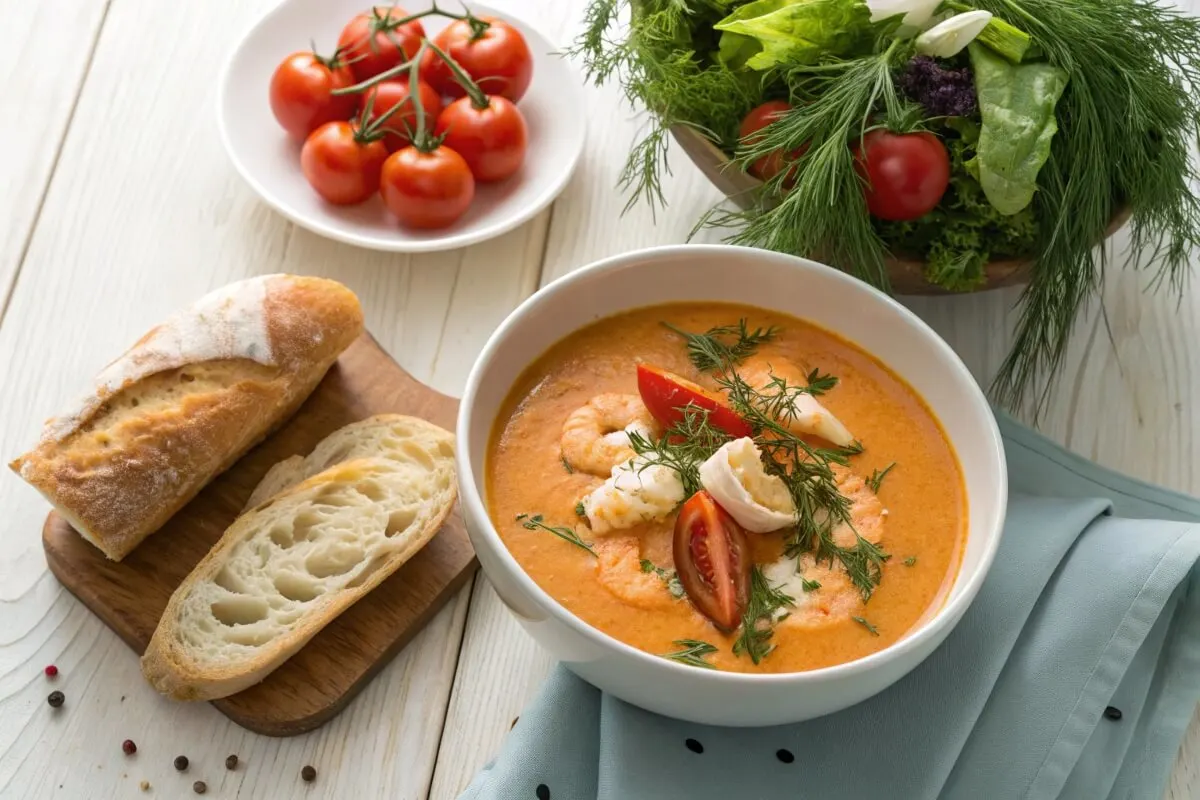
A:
[944,619]
[450,241]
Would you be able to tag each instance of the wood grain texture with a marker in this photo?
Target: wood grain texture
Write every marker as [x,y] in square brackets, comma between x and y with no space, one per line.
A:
[316,683]
[139,220]
[45,50]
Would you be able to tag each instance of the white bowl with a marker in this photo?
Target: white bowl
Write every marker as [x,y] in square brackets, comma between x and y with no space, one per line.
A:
[269,159]
[769,280]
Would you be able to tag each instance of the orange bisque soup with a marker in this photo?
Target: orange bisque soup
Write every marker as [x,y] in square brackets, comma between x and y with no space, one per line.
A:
[752,522]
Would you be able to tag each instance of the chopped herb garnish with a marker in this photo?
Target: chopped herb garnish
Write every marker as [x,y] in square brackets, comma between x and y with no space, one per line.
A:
[871,628]
[683,447]
[877,477]
[758,623]
[724,346]
[668,577]
[820,384]
[580,511]
[693,652]
[809,586]
[908,562]
[567,465]
[566,534]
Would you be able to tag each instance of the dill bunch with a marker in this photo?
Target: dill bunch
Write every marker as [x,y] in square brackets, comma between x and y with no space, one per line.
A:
[1128,119]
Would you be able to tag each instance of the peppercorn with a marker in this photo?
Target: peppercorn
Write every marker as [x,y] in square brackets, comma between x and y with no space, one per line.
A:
[231,762]
[51,671]
[56,699]
[129,747]
[199,787]
[181,763]
[309,773]
[1112,713]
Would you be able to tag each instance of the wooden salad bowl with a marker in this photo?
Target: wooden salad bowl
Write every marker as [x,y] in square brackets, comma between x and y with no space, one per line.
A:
[907,275]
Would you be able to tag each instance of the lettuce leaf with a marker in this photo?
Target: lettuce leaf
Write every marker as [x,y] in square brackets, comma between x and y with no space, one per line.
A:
[769,33]
[1016,103]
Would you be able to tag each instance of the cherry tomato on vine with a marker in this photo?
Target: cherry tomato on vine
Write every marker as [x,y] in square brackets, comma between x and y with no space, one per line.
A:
[376,40]
[712,559]
[906,173]
[492,140]
[427,189]
[391,93]
[342,164]
[301,87]
[498,59]
[774,162]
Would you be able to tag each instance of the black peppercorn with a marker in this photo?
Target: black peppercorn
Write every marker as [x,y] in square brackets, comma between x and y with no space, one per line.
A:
[199,787]
[309,773]
[231,762]
[129,747]
[56,699]
[1112,713]
[181,763]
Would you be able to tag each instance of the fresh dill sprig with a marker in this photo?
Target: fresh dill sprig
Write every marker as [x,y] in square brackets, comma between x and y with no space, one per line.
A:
[724,346]
[758,622]
[567,465]
[877,477]
[693,653]
[580,511]
[809,586]
[566,534]
[870,628]
[683,447]
[667,576]
[910,561]
[1128,121]
[819,384]
[652,48]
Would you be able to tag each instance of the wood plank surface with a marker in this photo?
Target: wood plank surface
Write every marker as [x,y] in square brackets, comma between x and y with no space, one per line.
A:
[317,682]
[45,51]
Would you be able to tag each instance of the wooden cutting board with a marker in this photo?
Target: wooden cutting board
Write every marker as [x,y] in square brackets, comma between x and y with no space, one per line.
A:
[316,683]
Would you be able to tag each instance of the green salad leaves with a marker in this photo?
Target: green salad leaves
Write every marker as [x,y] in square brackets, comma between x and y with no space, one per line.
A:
[1017,103]
[1062,118]
[779,33]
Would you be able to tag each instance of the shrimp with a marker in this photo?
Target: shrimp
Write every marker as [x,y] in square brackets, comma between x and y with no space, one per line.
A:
[619,570]
[837,599]
[595,437]
[806,415]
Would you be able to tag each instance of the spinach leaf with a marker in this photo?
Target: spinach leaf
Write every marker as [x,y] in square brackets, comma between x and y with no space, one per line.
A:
[1016,102]
[766,33]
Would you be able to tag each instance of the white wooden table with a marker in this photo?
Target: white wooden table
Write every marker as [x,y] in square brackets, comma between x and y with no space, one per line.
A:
[117,205]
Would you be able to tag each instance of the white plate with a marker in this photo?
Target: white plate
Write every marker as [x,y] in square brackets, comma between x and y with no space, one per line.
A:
[269,159]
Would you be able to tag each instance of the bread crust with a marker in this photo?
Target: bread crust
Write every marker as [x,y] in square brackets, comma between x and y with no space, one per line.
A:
[186,402]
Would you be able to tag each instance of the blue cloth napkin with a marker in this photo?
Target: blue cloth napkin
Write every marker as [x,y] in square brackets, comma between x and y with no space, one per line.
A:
[1073,674]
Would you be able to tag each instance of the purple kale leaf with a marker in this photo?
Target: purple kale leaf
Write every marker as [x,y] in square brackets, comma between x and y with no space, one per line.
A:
[942,92]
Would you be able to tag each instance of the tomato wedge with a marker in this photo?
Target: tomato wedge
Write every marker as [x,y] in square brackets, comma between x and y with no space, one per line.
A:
[712,561]
[667,394]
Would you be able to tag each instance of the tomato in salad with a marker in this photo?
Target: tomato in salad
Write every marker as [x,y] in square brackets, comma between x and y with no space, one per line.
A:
[770,165]
[906,174]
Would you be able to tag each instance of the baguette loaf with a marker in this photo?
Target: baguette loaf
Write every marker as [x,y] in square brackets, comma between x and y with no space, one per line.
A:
[185,402]
[289,566]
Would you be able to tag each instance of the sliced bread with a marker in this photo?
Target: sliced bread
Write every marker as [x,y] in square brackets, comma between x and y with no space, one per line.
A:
[406,440]
[289,566]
